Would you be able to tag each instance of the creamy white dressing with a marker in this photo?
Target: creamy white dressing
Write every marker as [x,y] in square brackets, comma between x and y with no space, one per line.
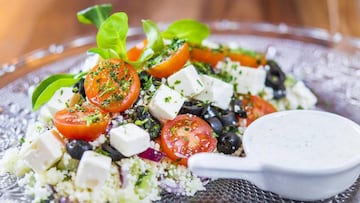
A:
[304,140]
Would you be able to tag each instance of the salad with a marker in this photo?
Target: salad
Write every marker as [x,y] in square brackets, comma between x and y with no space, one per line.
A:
[123,128]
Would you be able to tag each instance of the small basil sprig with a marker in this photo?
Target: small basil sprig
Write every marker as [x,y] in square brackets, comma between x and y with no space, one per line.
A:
[47,88]
[187,29]
[96,14]
[112,34]
[153,36]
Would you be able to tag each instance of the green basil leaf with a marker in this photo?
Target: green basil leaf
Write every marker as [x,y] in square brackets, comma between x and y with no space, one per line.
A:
[45,83]
[153,35]
[112,34]
[104,53]
[190,30]
[95,14]
[46,89]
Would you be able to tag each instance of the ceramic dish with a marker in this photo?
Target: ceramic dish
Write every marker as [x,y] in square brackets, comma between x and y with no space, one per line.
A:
[307,54]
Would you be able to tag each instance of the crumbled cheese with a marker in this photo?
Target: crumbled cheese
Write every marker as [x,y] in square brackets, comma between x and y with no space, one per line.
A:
[99,141]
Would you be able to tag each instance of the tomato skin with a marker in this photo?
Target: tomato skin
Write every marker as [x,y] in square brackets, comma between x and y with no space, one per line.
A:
[256,107]
[174,63]
[186,135]
[135,52]
[206,55]
[71,123]
[246,60]
[112,85]
[212,57]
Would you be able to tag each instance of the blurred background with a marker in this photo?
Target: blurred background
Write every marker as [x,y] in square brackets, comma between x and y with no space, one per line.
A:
[28,25]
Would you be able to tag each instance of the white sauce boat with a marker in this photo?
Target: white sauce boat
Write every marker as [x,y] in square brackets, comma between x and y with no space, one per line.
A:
[301,155]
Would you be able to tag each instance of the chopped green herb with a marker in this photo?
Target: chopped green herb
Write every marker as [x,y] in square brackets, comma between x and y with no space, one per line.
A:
[173,130]
[141,122]
[167,99]
[93,118]
[22,140]
[141,177]
[101,151]
[200,83]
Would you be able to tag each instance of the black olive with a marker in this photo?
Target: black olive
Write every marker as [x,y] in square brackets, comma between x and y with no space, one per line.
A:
[79,88]
[141,113]
[192,108]
[145,120]
[76,148]
[280,93]
[146,80]
[113,153]
[209,111]
[153,127]
[228,143]
[237,108]
[215,124]
[275,77]
[228,118]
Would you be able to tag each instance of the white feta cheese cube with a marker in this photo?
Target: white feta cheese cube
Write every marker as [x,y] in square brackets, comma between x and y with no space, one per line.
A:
[186,81]
[245,79]
[59,99]
[249,80]
[44,151]
[45,115]
[129,139]
[215,91]
[300,96]
[93,170]
[166,103]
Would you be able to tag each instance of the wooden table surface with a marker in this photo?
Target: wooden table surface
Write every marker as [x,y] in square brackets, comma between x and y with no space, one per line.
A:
[28,25]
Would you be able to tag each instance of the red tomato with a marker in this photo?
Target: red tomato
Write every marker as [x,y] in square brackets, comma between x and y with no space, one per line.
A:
[135,52]
[206,55]
[246,60]
[171,64]
[256,107]
[112,85]
[86,122]
[186,135]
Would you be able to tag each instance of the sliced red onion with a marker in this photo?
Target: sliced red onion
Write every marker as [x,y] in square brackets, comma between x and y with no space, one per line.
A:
[152,155]
[171,186]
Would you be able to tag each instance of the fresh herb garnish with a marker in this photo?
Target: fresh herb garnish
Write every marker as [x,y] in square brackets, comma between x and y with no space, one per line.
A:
[22,140]
[112,33]
[96,14]
[47,88]
[187,29]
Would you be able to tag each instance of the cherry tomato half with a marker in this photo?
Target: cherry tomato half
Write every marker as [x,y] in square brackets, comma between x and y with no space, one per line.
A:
[85,122]
[135,52]
[246,60]
[172,63]
[256,107]
[112,85]
[186,135]
[206,55]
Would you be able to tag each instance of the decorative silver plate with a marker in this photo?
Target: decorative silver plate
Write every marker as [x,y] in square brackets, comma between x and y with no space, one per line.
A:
[333,75]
